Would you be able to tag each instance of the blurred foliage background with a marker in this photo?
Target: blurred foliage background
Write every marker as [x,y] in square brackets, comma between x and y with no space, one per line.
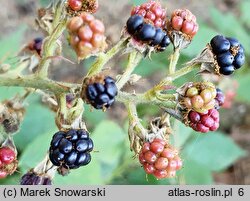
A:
[215,158]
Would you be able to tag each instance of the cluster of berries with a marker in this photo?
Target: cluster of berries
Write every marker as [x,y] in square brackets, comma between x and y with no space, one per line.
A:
[86,35]
[99,91]
[152,12]
[159,159]
[229,54]
[182,20]
[201,102]
[32,178]
[200,97]
[204,122]
[8,162]
[147,25]
[71,149]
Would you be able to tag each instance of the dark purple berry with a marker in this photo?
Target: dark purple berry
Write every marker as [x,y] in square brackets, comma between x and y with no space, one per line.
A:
[233,42]
[111,89]
[220,44]
[158,37]
[56,139]
[102,99]
[146,33]
[165,42]
[70,158]
[32,178]
[109,80]
[99,87]
[72,135]
[91,92]
[134,23]
[239,60]
[227,70]
[82,145]
[225,59]
[65,146]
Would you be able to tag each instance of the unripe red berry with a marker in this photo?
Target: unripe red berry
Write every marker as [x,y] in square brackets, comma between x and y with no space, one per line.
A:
[7,155]
[161,163]
[150,157]
[160,174]
[3,174]
[149,169]
[156,147]
[75,5]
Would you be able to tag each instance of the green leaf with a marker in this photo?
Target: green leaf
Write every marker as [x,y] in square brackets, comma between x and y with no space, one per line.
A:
[11,43]
[35,151]
[109,140]
[93,116]
[243,90]
[181,134]
[37,120]
[194,173]
[245,14]
[215,151]
[9,92]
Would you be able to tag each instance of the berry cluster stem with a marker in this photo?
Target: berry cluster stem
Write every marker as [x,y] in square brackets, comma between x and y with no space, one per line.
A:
[134,120]
[103,58]
[173,60]
[32,81]
[49,49]
[137,99]
[133,60]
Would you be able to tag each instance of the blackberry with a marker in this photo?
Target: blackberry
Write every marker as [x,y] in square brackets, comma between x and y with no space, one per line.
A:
[229,54]
[134,23]
[71,149]
[220,44]
[100,92]
[32,178]
[146,33]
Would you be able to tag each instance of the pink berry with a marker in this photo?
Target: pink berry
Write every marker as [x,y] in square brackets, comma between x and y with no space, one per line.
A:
[7,155]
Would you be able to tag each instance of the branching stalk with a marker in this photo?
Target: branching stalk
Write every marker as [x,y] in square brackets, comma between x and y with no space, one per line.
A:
[133,60]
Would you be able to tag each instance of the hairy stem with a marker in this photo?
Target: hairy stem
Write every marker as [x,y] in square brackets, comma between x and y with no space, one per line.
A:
[103,58]
[173,60]
[32,81]
[134,120]
[133,60]
[49,48]
[125,97]
[180,73]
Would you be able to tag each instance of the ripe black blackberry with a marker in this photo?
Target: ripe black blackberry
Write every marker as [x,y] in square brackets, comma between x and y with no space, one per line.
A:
[147,33]
[229,54]
[99,91]
[32,178]
[71,149]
